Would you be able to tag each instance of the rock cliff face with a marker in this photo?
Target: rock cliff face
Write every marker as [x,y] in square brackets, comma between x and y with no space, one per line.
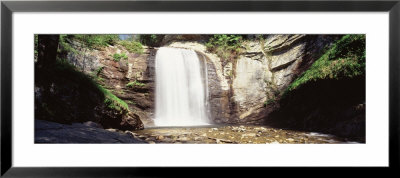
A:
[115,75]
[239,89]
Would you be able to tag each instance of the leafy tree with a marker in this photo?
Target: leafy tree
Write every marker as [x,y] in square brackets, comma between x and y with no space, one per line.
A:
[151,40]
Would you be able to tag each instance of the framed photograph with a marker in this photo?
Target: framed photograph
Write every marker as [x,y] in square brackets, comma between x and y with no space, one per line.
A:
[113,88]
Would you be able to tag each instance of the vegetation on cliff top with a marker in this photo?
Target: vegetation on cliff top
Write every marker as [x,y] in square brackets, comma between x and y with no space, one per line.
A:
[151,40]
[132,46]
[225,46]
[346,59]
[96,41]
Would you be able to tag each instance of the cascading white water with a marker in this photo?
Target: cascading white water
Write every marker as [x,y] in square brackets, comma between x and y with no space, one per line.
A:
[181,92]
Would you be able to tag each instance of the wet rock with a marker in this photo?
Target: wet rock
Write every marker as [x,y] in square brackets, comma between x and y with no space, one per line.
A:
[239,129]
[198,138]
[160,137]
[92,124]
[131,133]
[290,140]
[249,135]
[112,130]
[51,132]
[183,139]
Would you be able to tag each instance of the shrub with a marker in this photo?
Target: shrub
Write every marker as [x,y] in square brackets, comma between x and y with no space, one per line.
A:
[117,57]
[132,46]
[112,101]
[225,46]
[135,83]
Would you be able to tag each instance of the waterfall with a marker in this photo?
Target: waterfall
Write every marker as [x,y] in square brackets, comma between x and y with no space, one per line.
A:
[181,88]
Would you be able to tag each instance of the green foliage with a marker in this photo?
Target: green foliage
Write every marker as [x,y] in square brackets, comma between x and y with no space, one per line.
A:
[135,83]
[346,59]
[96,74]
[112,101]
[132,46]
[269,101]
[110,104]
[97,41]
[35,47]
[98,70]
[99,79]
[151,40]
[65,46]
[131,102]
[259,37]
[117,57]
[225,46]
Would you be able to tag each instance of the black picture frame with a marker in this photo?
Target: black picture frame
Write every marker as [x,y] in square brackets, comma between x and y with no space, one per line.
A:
[8,7]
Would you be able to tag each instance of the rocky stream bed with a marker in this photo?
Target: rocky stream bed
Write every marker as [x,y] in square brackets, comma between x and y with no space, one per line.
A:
[232,135]
[50,132]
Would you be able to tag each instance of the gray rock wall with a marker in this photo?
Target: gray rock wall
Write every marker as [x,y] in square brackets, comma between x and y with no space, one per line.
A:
[239,89]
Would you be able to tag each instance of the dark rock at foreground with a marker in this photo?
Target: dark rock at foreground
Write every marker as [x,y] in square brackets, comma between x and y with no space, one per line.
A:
[51,132]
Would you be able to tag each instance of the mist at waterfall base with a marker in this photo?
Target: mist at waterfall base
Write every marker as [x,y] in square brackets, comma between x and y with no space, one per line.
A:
[181,88]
